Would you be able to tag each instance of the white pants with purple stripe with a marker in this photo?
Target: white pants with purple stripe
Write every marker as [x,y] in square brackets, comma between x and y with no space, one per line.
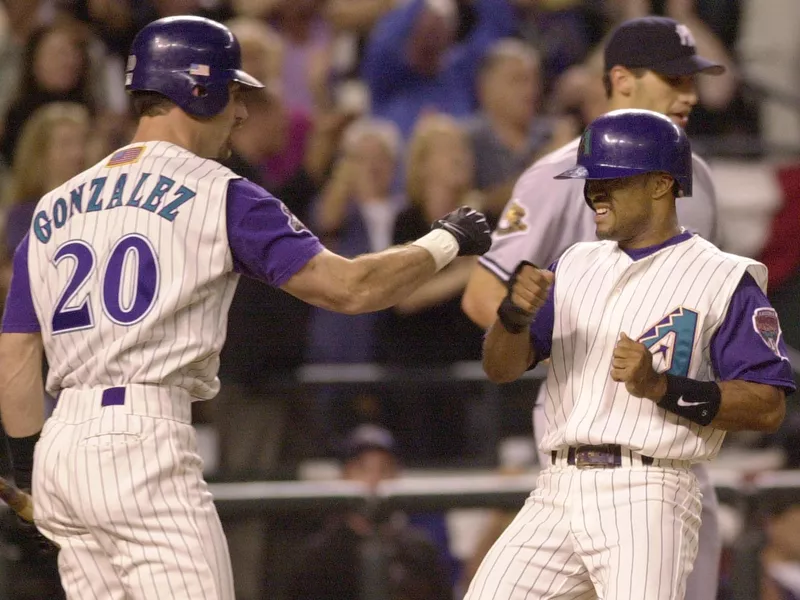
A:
[625,533]
[120,488]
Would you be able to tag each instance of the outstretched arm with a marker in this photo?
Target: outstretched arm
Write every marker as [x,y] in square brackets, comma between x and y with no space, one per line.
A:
[373,282]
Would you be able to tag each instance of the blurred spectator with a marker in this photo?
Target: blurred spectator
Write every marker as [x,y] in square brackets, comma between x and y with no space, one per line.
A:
[428,328]
[307,39]
[414,63]
[332,561]
[51,150]
[507,134]
[780,557]
[769,50]
[355,215]
[262,50]
[562,30]
[579,96]
[55,68]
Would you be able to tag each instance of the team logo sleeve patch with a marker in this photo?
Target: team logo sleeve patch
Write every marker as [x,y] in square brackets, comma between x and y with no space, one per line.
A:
[768,327]
[513,219]
[295,223]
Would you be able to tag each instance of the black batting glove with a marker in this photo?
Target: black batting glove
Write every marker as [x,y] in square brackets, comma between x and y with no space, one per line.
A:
[470,229]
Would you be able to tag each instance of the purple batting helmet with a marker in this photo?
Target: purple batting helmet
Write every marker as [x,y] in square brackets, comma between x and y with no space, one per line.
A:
[190,60]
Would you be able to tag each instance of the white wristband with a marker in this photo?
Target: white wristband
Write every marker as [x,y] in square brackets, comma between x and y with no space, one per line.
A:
[442,245]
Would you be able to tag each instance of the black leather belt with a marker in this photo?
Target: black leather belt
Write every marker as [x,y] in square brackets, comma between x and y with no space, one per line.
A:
[604,456]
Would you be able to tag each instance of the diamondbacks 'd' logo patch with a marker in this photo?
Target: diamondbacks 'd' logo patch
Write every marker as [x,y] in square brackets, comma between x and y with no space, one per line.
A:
[671,340]
[295,223]
[768,327]
[513,219]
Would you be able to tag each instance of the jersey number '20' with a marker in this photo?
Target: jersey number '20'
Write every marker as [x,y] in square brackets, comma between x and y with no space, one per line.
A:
[132,259]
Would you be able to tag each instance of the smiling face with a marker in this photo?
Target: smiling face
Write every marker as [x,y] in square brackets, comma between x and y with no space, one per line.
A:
[629,210]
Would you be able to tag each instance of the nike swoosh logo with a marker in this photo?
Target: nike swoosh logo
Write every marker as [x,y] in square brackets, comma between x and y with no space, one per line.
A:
[682,402]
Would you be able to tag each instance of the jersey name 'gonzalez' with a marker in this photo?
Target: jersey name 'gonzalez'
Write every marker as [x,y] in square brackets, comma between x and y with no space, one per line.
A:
[160,199]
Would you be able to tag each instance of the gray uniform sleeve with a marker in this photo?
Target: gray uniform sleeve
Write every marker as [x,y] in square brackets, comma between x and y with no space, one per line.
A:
[698,213]
[544,217]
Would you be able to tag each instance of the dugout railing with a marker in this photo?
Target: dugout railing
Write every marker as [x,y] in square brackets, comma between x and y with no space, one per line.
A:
[747,494]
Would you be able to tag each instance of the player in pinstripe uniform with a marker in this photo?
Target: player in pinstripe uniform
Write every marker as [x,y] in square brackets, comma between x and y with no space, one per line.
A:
[650,63]
[659,343]
[124,282]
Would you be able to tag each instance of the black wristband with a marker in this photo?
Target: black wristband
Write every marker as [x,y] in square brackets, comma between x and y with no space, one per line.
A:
[512,317]
[21,450]
[698,401]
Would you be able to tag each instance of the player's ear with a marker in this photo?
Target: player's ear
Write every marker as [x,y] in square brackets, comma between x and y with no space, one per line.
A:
[661,186]
[622,81]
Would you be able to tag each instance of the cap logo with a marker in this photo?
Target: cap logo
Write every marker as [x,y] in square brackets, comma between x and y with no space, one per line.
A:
[687,39]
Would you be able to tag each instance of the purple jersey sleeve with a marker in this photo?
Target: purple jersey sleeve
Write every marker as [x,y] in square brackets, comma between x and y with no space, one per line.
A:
[542,326]
[19,315]
[267,241]
[748,344]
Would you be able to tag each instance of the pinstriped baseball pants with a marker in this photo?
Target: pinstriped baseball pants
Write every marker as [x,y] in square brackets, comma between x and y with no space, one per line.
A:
[628,533]
[120,489]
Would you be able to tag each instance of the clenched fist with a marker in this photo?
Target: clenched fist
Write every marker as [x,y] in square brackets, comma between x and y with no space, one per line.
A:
[632,364]
[528,288]
[470,229]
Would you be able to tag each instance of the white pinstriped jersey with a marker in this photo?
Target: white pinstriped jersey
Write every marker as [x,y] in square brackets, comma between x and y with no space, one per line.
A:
[546,216]
[673,300]
[143,271]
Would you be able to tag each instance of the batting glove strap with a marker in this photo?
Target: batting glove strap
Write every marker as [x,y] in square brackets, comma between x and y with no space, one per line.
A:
[698,401]
[512,317]
[21,451]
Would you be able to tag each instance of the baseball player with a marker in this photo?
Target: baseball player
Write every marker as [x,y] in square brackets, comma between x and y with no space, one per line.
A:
[124,281]
[659,343]
[649,63]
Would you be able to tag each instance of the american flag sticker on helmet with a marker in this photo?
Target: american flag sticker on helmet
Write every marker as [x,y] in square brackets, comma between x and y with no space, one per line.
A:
[202,70]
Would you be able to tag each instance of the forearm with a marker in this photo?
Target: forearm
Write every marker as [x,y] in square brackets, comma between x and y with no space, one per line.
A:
[381,280]
[21,387]
[506,356]
[739,405]
[441,288]
[482,297]
[749,406]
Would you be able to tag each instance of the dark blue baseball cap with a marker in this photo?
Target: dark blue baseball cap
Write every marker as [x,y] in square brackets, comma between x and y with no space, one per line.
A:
[659,44]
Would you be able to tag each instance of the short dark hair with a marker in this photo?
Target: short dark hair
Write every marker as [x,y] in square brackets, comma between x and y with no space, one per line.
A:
[638,72]
[151,104]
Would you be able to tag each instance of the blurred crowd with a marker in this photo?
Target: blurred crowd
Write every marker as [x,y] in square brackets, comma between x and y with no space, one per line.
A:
[378,117]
